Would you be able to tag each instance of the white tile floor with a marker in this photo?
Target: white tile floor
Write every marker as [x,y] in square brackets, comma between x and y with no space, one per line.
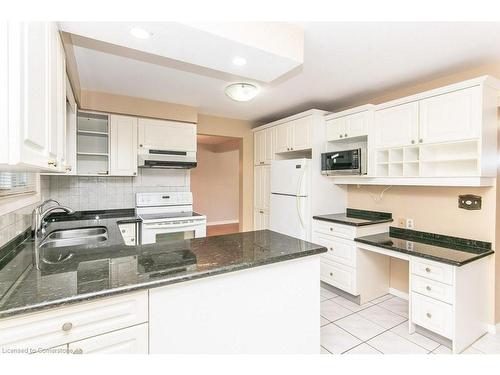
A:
[380,327]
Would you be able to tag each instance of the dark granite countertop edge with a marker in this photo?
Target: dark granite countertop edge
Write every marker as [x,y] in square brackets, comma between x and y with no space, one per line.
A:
[154,284]
[353,224]
[427,256]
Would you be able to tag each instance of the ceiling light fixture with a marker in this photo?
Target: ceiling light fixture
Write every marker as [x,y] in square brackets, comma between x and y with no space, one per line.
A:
[239,61]
[140,33]
[242,92]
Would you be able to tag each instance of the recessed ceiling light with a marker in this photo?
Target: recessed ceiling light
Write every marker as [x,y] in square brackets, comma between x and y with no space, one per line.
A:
[240,61]
[140,33]
[242,92]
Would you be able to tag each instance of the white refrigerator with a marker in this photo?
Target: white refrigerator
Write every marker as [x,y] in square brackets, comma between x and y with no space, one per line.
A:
[290,197]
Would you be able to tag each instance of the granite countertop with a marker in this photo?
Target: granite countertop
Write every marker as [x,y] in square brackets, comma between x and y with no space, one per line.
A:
[357,217]
[445,249]
[111,267]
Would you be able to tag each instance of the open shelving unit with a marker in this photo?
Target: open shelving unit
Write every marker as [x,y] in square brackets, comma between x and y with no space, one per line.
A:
[92,143]
[449,159]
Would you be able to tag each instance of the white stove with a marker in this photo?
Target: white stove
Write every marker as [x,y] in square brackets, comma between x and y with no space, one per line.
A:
[169,217]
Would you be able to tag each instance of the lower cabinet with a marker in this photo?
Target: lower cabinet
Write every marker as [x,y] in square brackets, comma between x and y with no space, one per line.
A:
[260,219]
[132,340]
[129,233]
[61,326]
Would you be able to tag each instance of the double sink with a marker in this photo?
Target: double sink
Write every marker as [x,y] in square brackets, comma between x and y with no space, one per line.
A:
[74,237]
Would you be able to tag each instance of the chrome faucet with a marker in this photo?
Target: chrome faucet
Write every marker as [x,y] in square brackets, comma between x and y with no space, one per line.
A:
[38,217]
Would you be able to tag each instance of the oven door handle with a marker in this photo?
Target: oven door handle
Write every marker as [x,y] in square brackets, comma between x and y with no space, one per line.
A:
[168,226]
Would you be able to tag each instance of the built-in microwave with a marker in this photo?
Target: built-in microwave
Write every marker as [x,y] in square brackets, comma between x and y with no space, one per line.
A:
[346,162]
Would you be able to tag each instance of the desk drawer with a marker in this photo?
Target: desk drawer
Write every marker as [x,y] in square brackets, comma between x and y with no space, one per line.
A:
[431,288]
[338,230]
[432,270]
[58,326]
[339,250]
[339,275]
[434,315]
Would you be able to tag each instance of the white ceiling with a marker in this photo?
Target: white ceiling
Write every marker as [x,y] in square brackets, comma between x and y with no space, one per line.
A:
[343,63]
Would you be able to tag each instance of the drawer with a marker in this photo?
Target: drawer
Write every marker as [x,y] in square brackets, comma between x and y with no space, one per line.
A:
[338,230]
[431,288]
[127,230]
[58,326]
[132,340]
[339,250]
[432,270]
[339,275]
[434,315]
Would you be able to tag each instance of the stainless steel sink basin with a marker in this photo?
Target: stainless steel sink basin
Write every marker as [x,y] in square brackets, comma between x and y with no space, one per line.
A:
[77,233]
[48,244]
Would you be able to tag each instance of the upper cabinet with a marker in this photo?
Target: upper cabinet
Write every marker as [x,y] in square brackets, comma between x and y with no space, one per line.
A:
[167,135]
[397,126]
[443,137]
[294,135]
[123,146]
[452,116]
[349,124]
[264,146]
[34,63]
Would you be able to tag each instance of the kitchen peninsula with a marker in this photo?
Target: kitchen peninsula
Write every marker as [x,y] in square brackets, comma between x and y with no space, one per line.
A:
[251,292]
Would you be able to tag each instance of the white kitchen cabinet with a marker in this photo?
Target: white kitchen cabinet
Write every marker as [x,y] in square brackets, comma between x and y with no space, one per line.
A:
[397,125]
[283,137]
[344,266]
[129,233]
[167,135]
[35,95]
[294,135]
[132,340]
[56,327]
[335,129]
[270,144]
[123,145]
[260,219]
[259,152]
[451,116]
[348,124]
[262,186]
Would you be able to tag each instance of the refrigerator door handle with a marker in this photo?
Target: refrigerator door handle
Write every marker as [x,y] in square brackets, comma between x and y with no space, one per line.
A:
[299,187]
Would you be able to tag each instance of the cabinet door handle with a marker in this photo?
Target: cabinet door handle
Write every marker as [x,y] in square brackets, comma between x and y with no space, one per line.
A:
[345,135]
[412,141]
[331,274]
[52,163]
[428,288]
[331,229]
[331,248]
[67,326]
[341,136]
[427,269]
[420,140]
[429,315]
[123,230]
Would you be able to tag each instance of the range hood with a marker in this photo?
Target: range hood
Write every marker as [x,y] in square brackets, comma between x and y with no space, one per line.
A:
[166,159]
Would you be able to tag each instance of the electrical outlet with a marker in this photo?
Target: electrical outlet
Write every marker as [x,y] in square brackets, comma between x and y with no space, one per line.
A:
[401,222]
[410,224]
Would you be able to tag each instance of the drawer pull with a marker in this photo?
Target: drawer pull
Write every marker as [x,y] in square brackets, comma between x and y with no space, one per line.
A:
[429,315]
[331,248]
[428,288]
[67,326]
[331,274]
[427,269]
[331,229]
[123,230]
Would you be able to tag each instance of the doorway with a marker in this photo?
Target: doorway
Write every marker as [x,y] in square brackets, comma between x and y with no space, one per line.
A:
[216,182]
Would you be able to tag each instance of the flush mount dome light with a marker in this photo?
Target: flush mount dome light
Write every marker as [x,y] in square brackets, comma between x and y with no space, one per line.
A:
[242,92]
[140,33]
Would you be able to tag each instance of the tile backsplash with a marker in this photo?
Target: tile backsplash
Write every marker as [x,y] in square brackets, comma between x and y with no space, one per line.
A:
[15,223]
[97,193]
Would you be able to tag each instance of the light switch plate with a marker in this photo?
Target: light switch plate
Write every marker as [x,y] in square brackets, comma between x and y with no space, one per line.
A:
[469,202]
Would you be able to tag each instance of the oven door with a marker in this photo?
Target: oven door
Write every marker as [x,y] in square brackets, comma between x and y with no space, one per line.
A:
[167,231]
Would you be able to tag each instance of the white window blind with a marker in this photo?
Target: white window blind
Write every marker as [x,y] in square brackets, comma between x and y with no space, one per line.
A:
[12,183]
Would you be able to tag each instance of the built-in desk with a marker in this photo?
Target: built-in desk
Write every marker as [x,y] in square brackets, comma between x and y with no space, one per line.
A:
[449,281]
